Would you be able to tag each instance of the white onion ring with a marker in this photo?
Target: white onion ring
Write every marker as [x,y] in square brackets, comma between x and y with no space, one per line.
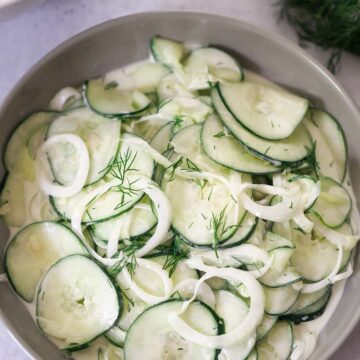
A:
[240,333]
[60,98]
[187,287]
[244,250]
[157,269]
[47,186]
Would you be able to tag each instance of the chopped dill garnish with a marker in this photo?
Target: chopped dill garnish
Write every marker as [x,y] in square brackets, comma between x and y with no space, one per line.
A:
[219,135]
[174,253]
[111,85]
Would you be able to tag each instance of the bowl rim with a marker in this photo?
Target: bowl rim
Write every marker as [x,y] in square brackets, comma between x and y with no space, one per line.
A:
[263,32]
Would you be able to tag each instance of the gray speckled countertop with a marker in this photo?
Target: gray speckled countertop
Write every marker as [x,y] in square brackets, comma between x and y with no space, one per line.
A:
[25,39]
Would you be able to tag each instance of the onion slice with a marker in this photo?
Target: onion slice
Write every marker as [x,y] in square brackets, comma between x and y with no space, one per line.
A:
[59,100]
[158,270]
[248,252]
[48,186]
[186,289]
[241,332]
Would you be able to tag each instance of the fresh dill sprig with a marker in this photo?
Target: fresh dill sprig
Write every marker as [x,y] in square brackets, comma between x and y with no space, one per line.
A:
[330,24]
[172,168]
[219,228]
[120,169]
[174,254]
[129,259]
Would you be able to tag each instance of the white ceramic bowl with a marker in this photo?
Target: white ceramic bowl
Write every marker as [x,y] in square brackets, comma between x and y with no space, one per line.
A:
[126,40]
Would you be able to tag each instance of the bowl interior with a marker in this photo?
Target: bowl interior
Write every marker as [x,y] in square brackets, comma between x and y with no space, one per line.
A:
[125,40]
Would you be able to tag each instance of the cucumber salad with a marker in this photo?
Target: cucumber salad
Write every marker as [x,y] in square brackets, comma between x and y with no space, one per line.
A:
[181,207]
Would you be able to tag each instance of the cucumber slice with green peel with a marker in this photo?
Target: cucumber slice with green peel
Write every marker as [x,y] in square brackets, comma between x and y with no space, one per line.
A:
[279,300]
[166,51]
[100,135]
[207,65]
[170,87]
[331,146]
[310,312]
[265,326]
[18,159]
[290,151]
[114,202]
[262,110]
[333,205]
[109,101]
[226,150]
[315,257]
[306,300]
[134,223]
[144,77]
[33,250]
[76,301]
[233,310]
[151,337]
[276,279]
[277,344]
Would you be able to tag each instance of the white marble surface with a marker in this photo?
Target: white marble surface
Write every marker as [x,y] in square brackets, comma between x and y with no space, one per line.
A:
[25,39]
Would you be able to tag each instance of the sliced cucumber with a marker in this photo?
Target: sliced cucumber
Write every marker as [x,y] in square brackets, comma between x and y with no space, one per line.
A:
[137,221]
[17,157]
[233,310]
[265,326]
[208,65]
[275,279]
[33,250]
[331,147]
[108,100]
[76,301]
[306,300]
[289,151]
[279,300]
[226,150]
[315,257]
[100,135]
[166,51]
[113,203]
[333,204]
[262,110]
[151,337]
[144,77]
[277,344]
[312,311]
